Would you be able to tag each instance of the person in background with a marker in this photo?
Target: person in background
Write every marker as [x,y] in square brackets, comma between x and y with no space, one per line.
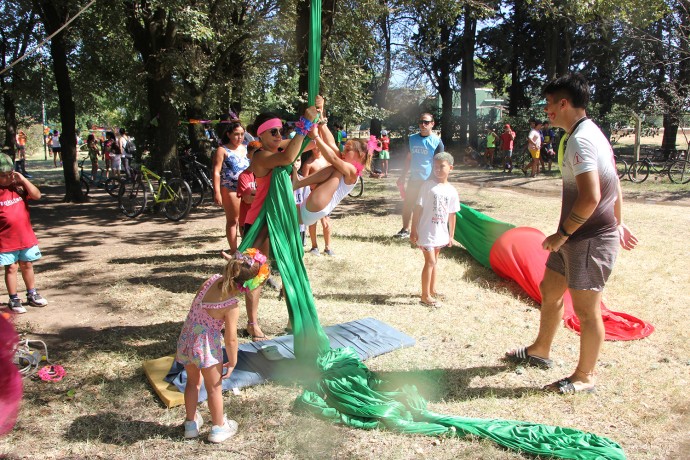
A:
[547,151]
[385,154]
[507,140]
[229,161]
[534,147]
[57,149]
[491,138]
[20,160]
[423,146]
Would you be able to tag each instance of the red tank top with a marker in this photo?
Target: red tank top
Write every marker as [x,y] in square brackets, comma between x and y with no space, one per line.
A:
[262,185]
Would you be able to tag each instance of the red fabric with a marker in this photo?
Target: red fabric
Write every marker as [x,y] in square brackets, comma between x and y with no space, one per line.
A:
[245,184]
[10,380]
[15,226]
[517,254]
[262,186]
[385,142]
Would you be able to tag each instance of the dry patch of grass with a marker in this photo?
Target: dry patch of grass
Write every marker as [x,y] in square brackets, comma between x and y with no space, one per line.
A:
[106,409]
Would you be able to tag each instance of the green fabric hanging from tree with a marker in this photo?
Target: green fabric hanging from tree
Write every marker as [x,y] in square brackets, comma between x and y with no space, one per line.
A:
[345,391]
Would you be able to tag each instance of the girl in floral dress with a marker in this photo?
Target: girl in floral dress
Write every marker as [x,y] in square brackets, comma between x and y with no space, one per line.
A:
[199,347]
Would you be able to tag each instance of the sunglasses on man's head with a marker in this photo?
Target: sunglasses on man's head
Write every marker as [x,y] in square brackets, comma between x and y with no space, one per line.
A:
[425,122]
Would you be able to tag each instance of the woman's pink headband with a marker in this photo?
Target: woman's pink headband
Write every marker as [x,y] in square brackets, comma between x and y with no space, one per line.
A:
[269,124]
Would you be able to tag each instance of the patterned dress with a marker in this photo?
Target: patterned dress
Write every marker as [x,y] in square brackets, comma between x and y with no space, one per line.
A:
[234,163]
[201,342]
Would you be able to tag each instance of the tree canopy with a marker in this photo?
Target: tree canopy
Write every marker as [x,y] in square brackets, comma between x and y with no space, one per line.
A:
[153,65]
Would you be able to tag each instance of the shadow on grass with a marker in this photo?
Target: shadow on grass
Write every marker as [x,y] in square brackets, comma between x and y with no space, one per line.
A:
[451,384]
[146,342]
[113,428]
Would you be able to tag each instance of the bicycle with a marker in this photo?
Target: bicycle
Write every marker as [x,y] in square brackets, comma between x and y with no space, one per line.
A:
[111,185]
[175,195]
[677,169]
[621,167]
[359,188]
[197,175]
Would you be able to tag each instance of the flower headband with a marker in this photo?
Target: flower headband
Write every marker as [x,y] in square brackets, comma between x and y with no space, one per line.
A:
[250,257]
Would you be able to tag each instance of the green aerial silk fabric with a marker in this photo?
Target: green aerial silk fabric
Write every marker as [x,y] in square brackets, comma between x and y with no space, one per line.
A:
[478,232]
[344,390]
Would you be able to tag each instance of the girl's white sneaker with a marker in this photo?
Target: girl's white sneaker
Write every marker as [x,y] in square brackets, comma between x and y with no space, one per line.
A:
[221,433]
[192,427]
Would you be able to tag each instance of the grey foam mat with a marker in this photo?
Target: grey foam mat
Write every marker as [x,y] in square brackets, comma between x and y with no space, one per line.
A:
[369,337]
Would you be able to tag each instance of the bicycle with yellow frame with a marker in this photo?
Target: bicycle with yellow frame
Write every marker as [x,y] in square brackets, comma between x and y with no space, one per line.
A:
[174,195]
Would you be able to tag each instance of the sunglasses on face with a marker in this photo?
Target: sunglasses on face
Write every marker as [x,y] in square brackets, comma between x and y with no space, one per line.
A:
[425,122]
[274,132]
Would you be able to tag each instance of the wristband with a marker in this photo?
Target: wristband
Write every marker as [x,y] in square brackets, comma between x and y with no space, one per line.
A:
[562,231]
[303,126]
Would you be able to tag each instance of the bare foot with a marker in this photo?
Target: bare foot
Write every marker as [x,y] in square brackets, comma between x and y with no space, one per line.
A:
[255,332]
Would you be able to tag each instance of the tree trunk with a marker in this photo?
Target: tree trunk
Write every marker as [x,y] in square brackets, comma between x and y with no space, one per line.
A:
[154,34]
[52,14]
[195,131]
[566,48]
[668,143]
[551,47]
[445,89]
[164,151]
[10,110]
[469,93]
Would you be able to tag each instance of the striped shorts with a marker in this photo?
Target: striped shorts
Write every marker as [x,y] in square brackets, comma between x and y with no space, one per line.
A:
[586,264]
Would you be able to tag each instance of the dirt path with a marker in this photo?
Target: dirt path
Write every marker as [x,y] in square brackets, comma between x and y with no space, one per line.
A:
[84,244]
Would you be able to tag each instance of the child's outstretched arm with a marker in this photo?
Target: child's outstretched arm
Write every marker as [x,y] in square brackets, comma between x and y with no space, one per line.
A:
[231,339]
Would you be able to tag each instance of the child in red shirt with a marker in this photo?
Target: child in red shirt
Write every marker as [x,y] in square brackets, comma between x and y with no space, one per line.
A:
[18,243]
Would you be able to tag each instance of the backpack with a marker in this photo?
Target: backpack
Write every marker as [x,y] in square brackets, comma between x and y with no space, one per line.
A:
[130,149]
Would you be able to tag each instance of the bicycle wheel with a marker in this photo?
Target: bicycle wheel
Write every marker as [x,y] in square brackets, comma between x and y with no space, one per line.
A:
[621,168]
[198,191]
[84,184]
[132,198]
[112,186]
[679,172]
[359,188]
[638,172]
[180,196]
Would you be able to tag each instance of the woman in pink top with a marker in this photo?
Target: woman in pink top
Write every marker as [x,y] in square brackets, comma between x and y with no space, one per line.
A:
[274,152]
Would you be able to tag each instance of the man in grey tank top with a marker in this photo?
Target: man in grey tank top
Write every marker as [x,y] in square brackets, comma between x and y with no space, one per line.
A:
[590,230]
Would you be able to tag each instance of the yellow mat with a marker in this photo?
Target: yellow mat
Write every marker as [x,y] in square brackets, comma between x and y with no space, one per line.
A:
[156,370]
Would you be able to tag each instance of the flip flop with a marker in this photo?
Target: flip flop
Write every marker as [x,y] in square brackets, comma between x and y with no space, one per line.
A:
[429,304]
[520,356]
[439,295]
[565,387]
[258,338]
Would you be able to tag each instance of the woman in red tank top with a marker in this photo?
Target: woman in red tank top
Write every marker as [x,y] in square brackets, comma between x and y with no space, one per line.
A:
[275,152]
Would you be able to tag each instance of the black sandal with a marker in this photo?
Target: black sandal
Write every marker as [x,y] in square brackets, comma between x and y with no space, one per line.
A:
[520,356]
[565,387]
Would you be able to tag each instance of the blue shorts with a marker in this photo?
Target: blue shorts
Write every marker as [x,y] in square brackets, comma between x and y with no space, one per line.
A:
[22,255]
